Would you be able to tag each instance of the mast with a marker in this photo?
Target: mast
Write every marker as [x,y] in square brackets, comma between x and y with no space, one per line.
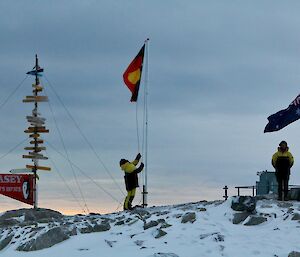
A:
[145,186]
[37,126]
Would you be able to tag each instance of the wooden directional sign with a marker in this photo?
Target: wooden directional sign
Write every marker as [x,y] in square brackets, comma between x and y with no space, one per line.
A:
[37,141]
[30,99]
[36,130]
[38,148]
[38,167]
[35,157]
[35,135]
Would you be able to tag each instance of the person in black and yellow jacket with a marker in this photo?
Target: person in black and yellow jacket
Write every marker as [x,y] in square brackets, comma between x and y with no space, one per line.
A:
[282,161]
[131,179]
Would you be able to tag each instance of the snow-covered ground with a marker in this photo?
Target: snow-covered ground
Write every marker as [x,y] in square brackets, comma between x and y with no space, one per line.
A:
[210,233]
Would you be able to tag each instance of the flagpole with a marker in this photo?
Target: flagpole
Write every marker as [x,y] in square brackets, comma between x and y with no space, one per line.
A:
[145,186]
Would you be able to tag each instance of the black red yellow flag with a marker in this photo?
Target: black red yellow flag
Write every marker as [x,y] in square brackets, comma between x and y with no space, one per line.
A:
[133,74]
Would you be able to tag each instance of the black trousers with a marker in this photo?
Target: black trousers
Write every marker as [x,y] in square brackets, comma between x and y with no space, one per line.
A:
[283,184]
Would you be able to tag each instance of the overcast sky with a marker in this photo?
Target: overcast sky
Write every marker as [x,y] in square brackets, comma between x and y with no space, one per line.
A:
[217,70]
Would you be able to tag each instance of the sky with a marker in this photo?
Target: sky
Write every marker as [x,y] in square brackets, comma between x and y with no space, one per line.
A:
[217,70]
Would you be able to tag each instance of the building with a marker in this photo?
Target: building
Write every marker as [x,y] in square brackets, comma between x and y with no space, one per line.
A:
[267,183]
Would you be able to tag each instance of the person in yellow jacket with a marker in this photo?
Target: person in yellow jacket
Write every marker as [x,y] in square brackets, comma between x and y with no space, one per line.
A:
[131,178]
[282,161]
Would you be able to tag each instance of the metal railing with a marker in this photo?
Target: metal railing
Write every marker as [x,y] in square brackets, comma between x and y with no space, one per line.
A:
[253,188]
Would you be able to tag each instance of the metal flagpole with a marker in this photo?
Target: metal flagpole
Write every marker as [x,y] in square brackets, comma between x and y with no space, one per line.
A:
[145,186]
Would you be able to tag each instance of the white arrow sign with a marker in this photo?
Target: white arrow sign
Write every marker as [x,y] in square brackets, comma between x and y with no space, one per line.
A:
[16,171]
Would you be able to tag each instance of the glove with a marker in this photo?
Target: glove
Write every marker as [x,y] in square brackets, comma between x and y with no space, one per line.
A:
[139,169]
[138,157]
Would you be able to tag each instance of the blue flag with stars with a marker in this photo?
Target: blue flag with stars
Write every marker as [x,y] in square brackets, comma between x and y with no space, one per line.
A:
[284,117]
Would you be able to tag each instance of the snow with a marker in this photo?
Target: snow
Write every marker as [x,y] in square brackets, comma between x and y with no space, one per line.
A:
[212,234]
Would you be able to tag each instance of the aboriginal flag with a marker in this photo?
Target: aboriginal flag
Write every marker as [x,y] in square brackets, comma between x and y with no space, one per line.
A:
[284,117]
[133,74]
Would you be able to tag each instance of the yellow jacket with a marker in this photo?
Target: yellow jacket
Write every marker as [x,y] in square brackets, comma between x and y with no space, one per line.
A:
[129,167]
[282,160]
[131,171]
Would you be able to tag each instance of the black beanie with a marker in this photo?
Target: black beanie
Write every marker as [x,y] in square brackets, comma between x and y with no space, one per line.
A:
[123,161]
[283,143]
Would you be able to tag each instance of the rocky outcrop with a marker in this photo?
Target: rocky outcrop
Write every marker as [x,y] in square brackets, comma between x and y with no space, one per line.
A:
[151,224]
[189,217]
[46,240]
[255,220]
[240,217]
[5,242]
[243,203]
[159,233]
[37,215]
[294,254]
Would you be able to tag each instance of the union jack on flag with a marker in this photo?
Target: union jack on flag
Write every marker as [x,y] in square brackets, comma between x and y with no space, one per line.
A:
[284,117]
[296,101]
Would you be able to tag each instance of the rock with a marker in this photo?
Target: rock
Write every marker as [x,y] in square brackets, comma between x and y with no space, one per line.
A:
[42,214]
[86,230]
[4,223]
[139,242]
[165,225]
[140,211]
[165,255]
[128,220]
[284,205]
[160,213]
[243,203]
[119,223]
[216,236]
[110,243]
[5,242]
[46,240]
[120,217]
[294,254]
[296,216]
[150,224]
[132,222]
[189,217]
[29,216]
[159,233]
[240,217]
[219,238]
[104,226]
[294,194]
[255,220]
[177,216]
[201,209]
[72,232]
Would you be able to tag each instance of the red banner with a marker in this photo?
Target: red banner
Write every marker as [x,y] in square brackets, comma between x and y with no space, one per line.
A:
[18,186]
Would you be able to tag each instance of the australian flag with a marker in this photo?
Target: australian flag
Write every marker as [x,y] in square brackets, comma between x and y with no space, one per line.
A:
[284,117]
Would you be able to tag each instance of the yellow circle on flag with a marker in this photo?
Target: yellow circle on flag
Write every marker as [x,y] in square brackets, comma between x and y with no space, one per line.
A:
[134,76]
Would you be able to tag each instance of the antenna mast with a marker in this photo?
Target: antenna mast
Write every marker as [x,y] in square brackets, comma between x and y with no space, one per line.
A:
[145,186]
[37,126]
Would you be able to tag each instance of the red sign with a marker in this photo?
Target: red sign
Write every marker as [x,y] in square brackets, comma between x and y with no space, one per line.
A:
[18,186]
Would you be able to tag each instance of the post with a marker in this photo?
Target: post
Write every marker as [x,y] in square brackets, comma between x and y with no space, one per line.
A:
[145,186]
[36,127]
[226,192]
[253,191]
[34,170]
